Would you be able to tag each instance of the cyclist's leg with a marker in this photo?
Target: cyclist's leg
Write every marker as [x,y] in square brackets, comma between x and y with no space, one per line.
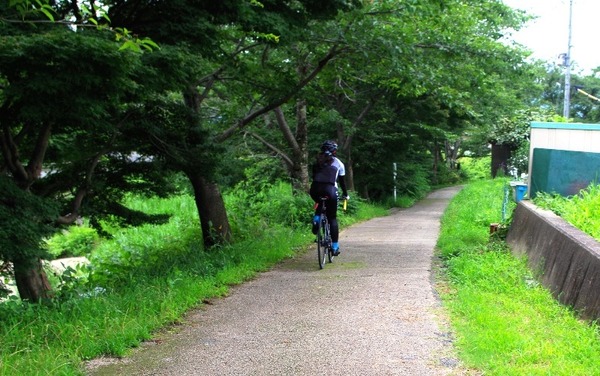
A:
[315,195]
[332,212]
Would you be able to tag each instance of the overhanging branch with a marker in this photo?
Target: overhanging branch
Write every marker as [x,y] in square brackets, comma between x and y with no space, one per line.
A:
[273,148]
[333,52]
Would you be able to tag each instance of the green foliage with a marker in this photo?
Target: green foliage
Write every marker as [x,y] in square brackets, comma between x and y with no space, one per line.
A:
[253,209]
[255,172]
[448,176]
[464,229]
[80,15]
[149,249]
[476,168]
[42,81]
[399,202]
[507,324]
[584,109]
[185,143]
[553,202]
[27,8]
[504,321]
[74,241]
[582,210]
[73,283]
[148,277]
[520,158]
[414,180]
[511,130]
[25,219]
[374,170]
[62,83]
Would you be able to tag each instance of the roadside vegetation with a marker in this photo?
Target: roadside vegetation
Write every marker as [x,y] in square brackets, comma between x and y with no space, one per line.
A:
[146,278]
[165,168]
[582,210]
[143,279]
[505,323]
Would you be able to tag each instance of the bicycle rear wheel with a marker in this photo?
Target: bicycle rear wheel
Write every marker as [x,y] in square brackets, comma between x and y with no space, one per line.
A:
[321,243]
[328,243]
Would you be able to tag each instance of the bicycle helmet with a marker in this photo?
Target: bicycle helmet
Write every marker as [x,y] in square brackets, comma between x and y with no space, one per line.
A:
[329,146]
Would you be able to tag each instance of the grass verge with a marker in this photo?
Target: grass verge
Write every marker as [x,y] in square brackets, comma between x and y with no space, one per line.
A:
[152,288]
[505,323]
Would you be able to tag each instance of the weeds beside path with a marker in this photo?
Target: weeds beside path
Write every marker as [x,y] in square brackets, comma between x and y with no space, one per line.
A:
[146,278]
[505,322]
[372,312]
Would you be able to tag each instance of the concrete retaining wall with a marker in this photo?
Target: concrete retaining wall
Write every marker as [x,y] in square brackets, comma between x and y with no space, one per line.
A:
[566,260]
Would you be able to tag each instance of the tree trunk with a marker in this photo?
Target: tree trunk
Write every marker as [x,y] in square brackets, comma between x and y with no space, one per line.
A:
[297,160]
[209,201]
[211,210]
[436,162]
[452,153]
[300,178]
[31,280]
[349,174]
[346,147]
[365,192]
[345,141]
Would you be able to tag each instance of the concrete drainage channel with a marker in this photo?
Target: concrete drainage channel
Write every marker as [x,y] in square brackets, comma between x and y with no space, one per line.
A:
[564,259]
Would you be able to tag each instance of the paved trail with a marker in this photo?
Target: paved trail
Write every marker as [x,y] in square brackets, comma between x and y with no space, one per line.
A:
[373,311]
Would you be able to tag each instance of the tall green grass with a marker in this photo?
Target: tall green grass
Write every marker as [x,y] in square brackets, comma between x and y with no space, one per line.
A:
[466,221]
[148,277]
[581,210]
[505,323]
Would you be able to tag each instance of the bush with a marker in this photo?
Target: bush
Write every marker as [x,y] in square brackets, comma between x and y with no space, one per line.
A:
[581,210]
[476,168]
[446,176]
[26,220]
[398,202]
[415,181]
[251,208]
[151,249]
[75,241]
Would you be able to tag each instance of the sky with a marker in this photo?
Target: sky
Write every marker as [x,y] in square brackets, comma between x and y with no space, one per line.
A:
[548,35]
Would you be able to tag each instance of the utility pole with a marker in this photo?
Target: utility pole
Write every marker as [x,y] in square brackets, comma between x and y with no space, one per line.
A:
[567,63]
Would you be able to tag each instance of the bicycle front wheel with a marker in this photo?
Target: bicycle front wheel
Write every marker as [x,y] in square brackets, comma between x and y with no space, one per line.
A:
[322,249]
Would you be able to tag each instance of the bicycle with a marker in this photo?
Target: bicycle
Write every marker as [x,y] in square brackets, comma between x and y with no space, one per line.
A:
[324,249]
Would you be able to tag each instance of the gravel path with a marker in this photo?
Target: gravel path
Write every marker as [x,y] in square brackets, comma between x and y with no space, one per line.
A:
[373,311]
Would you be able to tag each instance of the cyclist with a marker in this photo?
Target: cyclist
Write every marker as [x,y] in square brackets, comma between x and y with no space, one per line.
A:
[326,173]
